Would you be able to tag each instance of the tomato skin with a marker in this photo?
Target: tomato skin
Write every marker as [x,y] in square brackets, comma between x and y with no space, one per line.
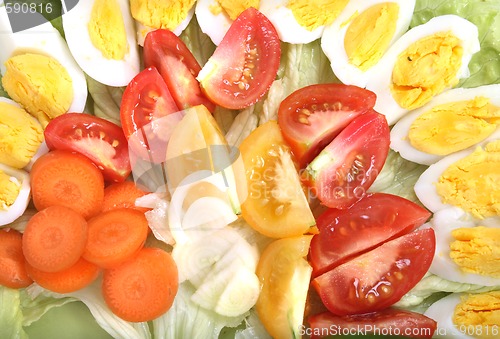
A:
[98,139]
[245,63]
[377,279]
[146,98]
[311,117]
[374,219]
[344,171]
[390,320]
[178,67]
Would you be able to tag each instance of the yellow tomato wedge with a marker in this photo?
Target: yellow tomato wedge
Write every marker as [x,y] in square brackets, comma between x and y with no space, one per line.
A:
[284,274]
[276,205]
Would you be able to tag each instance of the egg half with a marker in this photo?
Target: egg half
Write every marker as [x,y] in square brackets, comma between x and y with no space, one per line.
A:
[101,36]
[467,316]
[425,61]
[452,121]
[361,34]
[154,14]
[216,16]
[39,72]
[14,193]
[301,21]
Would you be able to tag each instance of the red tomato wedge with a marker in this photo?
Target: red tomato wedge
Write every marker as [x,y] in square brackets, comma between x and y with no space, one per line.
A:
[178,67]
[344,171]
[245,63]
[377,279]
[98,139]
[376,218]
[390,321]
[145,99]
[312,116]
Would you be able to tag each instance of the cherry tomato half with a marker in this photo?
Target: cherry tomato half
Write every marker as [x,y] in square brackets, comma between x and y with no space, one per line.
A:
[377,279]
[98,139]
[342,173]
[312,116]
[245,63]
[178,67]
[376,218]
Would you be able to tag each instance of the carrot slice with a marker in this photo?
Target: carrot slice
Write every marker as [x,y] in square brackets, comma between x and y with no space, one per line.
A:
[122,195]
[144,287]
[72,279]
[68,179]
[115,236]
[13,272]
[54,238]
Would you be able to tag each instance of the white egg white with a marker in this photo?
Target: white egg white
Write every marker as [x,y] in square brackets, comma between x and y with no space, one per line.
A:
[442,311]
[19,206]
[289,30]
[425,188]
[110,72]
[43,39]
[443,223]
[399,133]
[214,25]
[332,40]
[381,78]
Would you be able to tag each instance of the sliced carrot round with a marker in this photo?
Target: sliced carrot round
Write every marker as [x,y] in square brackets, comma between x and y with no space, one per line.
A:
[122,195]
[13,272]
[143,288]
[72,279]
[68,179]
[115,236]
[54,238]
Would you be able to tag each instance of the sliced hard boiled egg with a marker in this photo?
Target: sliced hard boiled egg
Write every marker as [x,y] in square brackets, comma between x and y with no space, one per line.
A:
[450,122]
[154,14]
[425,61]
[467,316]
[14,193]
[467,179]
[216,16]
[467,249]
[101,37]
[301,21]
[361,34]
[39,72]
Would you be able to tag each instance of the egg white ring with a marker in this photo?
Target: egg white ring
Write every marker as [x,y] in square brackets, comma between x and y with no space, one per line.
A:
[19,206]
[110,72]
[332,40]
[289,30]
[381,78]
[443,223]
[441,312]
[399,133]
[143,30]
[213,25]
[46,40]
[425,187]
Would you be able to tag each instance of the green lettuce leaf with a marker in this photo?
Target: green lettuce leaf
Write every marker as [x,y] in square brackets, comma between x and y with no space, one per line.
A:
[11,316]
[197,42]
[3,93]
[485,14]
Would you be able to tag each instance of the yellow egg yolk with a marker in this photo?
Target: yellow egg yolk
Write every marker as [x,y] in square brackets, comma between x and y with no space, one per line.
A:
[107,29]
[40,84]
[313,14]
[477,250]
[160,13]
[9,190]
[479,311]
[369,34]
[426,68]
[473,183]
[454,126]
[233,8]
[20,136]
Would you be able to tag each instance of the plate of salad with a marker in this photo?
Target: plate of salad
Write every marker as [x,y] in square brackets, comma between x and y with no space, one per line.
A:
[282,169]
